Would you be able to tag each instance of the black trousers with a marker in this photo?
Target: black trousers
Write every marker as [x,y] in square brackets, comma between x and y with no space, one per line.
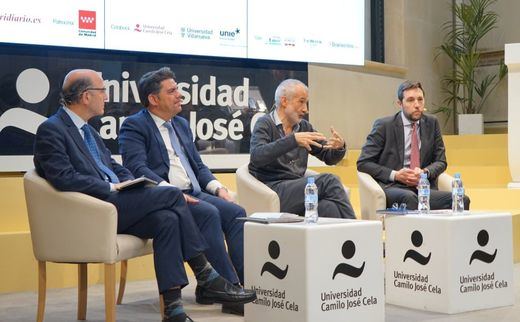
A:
[332,198]
[403,194]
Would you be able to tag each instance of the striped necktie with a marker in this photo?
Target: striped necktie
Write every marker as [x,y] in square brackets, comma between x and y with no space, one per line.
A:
[92,148]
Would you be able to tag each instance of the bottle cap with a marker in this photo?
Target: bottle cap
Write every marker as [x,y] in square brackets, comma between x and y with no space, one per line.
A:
[310,179]
[457,175]
[424,175]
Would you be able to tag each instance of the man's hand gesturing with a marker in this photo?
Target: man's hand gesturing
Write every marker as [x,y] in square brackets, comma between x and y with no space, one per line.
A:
[306,139]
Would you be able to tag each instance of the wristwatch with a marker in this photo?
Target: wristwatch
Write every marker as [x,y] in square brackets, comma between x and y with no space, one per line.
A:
[218,190]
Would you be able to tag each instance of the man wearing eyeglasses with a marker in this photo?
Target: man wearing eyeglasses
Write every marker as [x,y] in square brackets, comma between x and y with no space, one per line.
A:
[72,157]
[402,146]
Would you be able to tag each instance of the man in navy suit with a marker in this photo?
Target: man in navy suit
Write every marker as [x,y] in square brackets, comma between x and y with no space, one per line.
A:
[390,157]
[72,157]
[158,144]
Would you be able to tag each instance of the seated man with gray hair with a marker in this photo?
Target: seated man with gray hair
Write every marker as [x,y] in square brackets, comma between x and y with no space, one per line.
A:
[280,145]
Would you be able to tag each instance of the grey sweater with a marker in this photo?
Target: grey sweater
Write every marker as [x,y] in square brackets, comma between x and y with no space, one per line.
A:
[275,156]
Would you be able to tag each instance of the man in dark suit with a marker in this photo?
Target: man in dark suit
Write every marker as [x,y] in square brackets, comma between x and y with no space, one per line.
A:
[280,146]
[72,157]
[158,144]
[402,146]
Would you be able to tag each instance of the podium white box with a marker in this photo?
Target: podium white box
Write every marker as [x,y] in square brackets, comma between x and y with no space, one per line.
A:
[449,263]
[329,271]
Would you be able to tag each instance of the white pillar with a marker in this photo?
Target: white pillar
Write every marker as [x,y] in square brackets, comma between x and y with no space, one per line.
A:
[512,60]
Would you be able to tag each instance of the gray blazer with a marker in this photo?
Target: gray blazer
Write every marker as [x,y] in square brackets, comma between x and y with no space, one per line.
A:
[384,149]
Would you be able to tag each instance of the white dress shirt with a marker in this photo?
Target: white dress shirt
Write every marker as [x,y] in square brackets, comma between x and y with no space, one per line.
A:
[177,175]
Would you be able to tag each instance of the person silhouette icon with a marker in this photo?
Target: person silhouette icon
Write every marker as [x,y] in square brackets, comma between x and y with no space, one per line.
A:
[348,250]
[417,240]
[274,253]
[482,240]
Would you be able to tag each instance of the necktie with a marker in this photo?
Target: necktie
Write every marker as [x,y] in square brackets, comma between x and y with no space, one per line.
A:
[415,158]
[184,160]
[92,147]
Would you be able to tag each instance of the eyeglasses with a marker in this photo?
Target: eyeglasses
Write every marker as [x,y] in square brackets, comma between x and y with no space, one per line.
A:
[95,89]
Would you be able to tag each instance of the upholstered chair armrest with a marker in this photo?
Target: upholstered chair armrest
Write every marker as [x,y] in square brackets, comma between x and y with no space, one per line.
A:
[444,182]
[63,222]
[371,195]
[253,194]
[310,172]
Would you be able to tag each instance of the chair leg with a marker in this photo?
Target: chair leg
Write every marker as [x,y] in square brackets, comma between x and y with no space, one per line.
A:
[42,288]
[122,281]
[82,291]
[110,294]
[161,304]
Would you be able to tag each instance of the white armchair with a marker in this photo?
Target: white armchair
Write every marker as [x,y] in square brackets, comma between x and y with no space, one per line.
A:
[372,196]
[71,227]
[255,196]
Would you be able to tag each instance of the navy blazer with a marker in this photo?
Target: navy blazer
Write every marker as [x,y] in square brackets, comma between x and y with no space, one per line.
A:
[384,149]
[61,157]
[144,152]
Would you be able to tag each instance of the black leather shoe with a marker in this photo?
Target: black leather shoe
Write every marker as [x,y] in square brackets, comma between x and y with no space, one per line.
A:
[232,308]
[228,293]
[169,319]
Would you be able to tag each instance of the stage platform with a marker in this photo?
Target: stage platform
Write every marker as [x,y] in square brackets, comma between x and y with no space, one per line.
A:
[141,304]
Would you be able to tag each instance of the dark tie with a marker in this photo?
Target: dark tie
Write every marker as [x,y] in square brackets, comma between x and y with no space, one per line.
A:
[92,147]
[415,158]
[182,156]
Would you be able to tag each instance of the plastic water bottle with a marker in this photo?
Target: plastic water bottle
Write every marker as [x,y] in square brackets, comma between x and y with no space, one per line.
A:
[311,201]
[423,195]
[457,194]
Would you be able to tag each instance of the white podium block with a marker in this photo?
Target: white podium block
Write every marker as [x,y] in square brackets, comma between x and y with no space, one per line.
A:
[330,271]
[449,263]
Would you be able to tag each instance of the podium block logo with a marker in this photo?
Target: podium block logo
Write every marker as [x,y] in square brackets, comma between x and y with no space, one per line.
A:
[417,240]
[483,239]
[273,269]
[348,250]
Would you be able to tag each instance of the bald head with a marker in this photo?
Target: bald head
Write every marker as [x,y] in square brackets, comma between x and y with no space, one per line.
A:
[75,83]
[84,93]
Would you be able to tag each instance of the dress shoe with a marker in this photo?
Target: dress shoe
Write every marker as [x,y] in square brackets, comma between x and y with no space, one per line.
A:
[233,308]
[188,319]
[223,293]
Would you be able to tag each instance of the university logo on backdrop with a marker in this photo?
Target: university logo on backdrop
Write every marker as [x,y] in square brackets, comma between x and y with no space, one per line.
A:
[33,86]
[221,100]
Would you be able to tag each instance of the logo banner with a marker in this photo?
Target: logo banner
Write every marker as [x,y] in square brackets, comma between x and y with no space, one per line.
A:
[222,97]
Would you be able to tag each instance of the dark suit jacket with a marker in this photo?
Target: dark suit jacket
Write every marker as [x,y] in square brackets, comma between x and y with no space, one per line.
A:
[384,149]
[144,152]
[61,157]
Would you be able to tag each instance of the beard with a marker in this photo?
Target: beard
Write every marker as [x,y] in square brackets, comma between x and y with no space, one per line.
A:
[411,117]
[294,118]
